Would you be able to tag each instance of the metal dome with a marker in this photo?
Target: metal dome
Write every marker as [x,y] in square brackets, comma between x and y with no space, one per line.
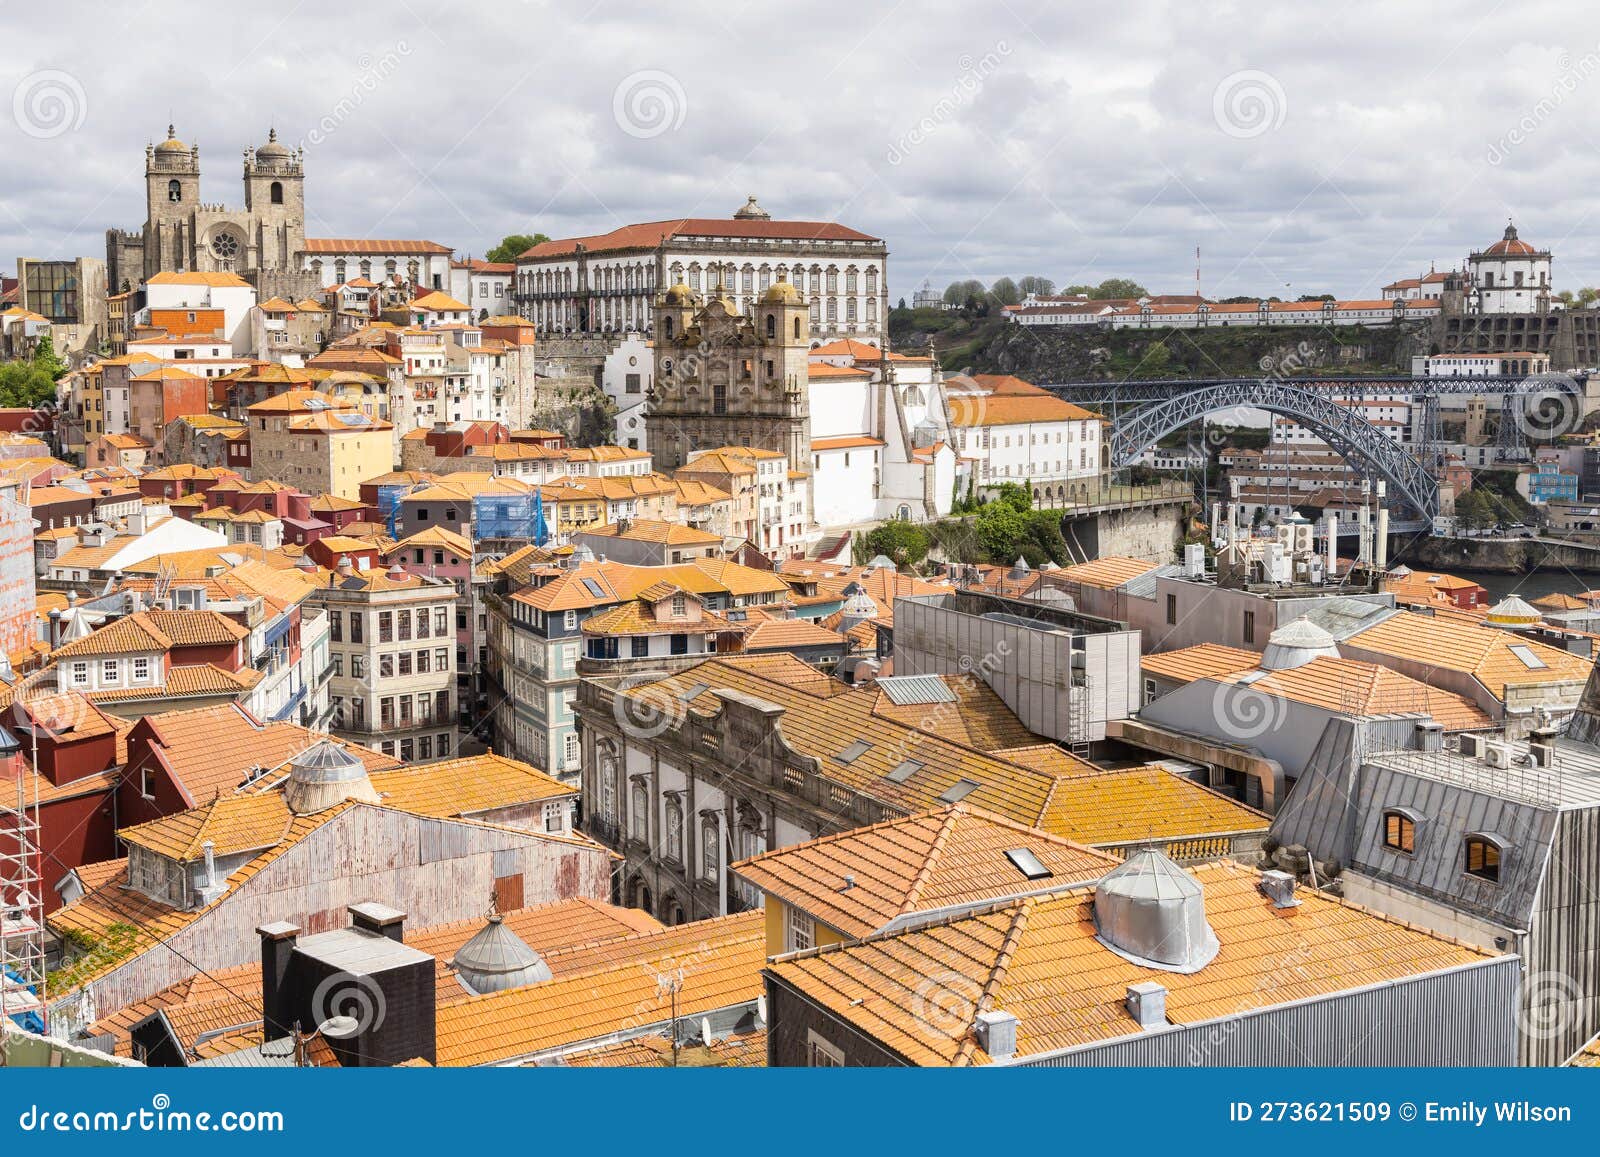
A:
[881,562]
[1513,612]
[325,775]
[1297,643]
[172,144]
[1020,569]
[496,958]
[1150,911]
[272,149]
[858,603]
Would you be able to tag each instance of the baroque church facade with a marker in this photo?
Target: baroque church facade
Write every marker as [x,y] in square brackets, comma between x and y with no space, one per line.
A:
[265,241]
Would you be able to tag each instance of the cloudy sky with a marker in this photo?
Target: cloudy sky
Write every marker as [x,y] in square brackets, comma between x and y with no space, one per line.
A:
[1302,148]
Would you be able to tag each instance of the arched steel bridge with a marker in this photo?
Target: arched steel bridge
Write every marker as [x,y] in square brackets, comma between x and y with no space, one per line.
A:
[1144,412]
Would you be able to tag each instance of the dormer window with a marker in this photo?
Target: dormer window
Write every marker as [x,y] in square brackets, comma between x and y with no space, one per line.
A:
[1483,858]
[1399,832]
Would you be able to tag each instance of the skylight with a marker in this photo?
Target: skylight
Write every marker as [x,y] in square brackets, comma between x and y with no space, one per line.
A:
[1529,659]
[854,752]
[1028,864]
[904,771]
[695,692]
[959,790]
[594,588]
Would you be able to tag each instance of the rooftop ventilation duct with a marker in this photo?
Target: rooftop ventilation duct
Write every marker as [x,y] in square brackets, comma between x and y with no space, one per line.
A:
[323,776]
[496,958]
[1297,643]
[1146,1002]
[1279,888]
[997,1034]
[1150,911]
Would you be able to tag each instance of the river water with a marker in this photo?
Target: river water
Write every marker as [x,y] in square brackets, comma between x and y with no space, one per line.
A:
[1530,586]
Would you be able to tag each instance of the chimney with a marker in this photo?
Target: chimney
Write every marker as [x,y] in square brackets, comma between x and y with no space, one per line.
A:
[997,1034]
[379,919]
[1147,1003]
[1279,888]
[277,1003]
[1430,736]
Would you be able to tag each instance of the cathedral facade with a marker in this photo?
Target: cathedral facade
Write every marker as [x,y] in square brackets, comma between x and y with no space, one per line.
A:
[728,378]
[264,241]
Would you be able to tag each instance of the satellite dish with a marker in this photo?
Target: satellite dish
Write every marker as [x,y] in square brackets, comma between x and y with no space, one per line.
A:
[705,1030]
[339,1027]
[761,1008]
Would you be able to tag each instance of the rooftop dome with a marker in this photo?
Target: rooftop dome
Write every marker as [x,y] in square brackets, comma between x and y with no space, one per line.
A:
[1295,644]
[1150,911]
[1510,245]
[496,959]
[1513,612]
[325,775]
[881,562]
[1020,568]
[1400,572]
[750,211]
[272,149]
[781,293]
[172,144]
[679,294]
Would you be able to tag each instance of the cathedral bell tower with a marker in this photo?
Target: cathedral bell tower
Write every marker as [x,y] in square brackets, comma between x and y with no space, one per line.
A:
[172,194]
[274,192]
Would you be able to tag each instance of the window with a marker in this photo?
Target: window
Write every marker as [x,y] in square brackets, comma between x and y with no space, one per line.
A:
[80,673]
[141,670]
[1249,626]
[1172,610]
[1399,832]
[1483,858]
[555,817]
[821,1054]
[356,620]
[404,624]
[710,850]
[674,840]
[1024,861]
[799,930]
[109,670]
[385,626]
[570,620]
[336,626]
[386,666]
[174,190]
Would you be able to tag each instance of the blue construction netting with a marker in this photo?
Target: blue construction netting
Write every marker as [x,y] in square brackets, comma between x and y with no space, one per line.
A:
[389,496]
[510,516]
[32,1021]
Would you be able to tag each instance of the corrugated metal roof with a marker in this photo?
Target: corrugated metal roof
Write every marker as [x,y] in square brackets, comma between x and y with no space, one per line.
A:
[904,690]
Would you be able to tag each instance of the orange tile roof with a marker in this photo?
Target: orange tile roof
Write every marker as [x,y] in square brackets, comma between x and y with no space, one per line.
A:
[860,881]
[466,787]
[1483,652]
[356,246]
[1040,960]
[651,530]
[134,633]
[848,442]
[1109,572]
[748,1050]
[1357,688]
[719,962]
[649,234]
[782,634]
[215,280]
[1203,661]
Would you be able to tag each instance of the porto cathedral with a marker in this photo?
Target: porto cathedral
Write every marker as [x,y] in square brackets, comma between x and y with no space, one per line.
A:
[266,239]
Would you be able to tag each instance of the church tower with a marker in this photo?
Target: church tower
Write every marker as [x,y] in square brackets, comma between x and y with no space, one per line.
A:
[172,194]
[274,197]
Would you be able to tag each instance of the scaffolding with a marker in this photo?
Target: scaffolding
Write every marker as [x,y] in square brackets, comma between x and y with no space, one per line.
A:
[22,932]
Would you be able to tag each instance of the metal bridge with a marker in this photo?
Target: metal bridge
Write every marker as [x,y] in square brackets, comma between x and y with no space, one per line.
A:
[1144,412]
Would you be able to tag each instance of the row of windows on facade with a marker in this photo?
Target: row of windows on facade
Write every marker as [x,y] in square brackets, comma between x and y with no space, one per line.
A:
[748,278]
[1029,469]
[111,671]
[425,747]
[752,842]
[391,663]
[1481,854]
[392,625]
[419,709]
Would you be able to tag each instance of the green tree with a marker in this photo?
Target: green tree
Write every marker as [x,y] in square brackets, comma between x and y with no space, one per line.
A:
[1117,287]
[513,246]
[1156,360]
[1041,286]
[1017,496]
[25,384]
[1005,291]
[905,543]
[45,359]
[1000,528]
[964,294]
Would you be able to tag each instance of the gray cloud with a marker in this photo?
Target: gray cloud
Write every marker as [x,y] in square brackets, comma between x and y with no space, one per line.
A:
[979,142]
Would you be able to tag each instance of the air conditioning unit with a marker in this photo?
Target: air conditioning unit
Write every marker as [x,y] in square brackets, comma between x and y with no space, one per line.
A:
[1497,755]
[1472,746]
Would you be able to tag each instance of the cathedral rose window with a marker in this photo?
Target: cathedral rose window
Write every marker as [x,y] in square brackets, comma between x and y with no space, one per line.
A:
[225,247]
